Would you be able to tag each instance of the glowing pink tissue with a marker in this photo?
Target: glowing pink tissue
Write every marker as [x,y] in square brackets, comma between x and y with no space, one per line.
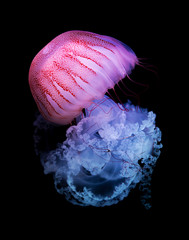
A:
[75,68]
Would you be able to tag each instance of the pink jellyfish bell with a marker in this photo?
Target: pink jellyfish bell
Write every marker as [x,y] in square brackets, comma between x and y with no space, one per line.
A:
[75,68]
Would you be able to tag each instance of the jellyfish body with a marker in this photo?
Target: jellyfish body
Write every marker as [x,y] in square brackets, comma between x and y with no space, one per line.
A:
[105,155]
[109,150]
[74,69]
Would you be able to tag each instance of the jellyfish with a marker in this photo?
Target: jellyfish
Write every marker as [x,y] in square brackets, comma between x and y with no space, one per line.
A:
[74,69]
[111,147]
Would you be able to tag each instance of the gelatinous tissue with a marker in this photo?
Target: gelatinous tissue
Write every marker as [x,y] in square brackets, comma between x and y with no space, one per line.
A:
[111,147]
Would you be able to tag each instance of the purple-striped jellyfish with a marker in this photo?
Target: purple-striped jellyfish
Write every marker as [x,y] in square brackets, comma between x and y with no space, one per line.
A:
[113,146]
[74,69]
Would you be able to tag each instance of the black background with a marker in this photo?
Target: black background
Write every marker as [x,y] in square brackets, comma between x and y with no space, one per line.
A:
[146,29]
